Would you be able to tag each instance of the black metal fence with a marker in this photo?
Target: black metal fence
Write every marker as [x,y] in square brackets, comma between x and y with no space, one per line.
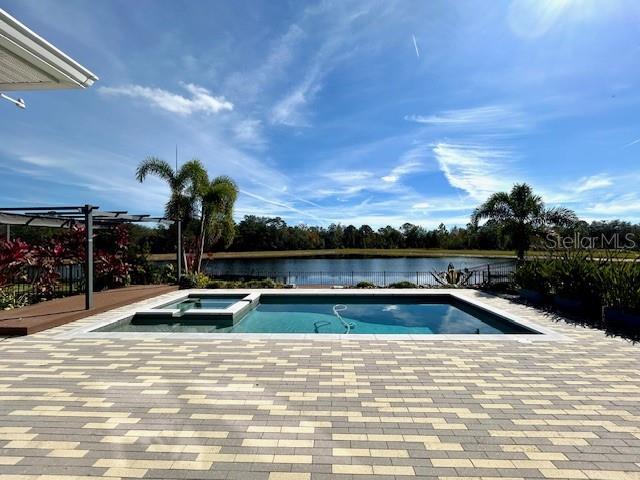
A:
[480,275]
[70,281]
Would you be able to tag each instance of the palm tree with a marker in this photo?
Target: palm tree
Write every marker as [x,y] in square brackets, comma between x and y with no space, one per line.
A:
[522,214]
[185,185]
[217,199]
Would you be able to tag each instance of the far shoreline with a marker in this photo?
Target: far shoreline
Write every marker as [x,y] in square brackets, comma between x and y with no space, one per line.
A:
[347,253]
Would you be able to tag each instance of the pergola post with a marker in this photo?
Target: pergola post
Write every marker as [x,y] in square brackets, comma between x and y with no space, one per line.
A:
[179,249]
[88,222]
[8,231]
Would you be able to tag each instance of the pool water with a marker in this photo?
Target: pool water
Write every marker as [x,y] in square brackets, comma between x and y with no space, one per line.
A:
[372,315]
[362,314]
[209,302]
[155,324]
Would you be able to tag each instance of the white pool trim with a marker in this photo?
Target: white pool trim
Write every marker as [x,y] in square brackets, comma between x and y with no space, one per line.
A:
[252,297]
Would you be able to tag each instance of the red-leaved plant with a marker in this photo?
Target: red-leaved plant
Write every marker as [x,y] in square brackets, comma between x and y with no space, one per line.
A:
[15,257]
[111,267]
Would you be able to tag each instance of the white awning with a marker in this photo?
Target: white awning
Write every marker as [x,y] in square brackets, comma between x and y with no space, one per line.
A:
[29,62]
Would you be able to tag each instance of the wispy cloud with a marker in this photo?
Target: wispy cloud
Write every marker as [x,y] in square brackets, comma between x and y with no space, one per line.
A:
[249,132]
[593,182]
[289,110]
[265,207]
[333,22]
[421,205]
[201,100]
[250,84]
[478,170]
[68,167]
[627,204]
[631,143]
[415,44]
[412,161]
[501,117]
[341,183]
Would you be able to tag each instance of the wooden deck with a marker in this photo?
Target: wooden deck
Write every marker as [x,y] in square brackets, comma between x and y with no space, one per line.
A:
[45,315]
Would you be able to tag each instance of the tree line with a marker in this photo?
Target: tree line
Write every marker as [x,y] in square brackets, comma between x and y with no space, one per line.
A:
[516,220]
[254,233]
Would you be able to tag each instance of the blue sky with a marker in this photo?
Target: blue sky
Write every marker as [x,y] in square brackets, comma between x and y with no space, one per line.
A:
[337,111]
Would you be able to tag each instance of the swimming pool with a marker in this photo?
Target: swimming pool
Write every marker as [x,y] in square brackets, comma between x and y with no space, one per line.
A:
[377,314]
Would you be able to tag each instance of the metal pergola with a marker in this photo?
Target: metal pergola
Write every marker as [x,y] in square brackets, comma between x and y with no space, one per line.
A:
[67,216]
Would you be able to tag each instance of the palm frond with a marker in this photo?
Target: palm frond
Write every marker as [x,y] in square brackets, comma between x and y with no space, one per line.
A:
[525,204]
[496,207]
[218,203]
[155,166]
[180,207]
[193,177]
[560,217]
[222,192]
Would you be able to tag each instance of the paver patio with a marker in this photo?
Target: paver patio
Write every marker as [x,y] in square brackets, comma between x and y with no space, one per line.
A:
[299,409]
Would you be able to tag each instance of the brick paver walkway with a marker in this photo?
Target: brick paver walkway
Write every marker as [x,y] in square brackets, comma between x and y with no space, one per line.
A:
[272,409]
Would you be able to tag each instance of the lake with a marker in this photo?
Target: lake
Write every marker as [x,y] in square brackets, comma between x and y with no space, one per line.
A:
[347,271]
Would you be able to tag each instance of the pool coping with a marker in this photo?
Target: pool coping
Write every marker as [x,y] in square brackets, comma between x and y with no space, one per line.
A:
[88,331]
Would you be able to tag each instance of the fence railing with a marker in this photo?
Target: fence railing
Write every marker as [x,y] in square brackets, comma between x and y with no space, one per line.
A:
[481,275]
[70,281]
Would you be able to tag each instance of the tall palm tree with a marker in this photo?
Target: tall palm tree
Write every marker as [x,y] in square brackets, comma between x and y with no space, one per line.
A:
[217,199]
[185,185]
[522,214]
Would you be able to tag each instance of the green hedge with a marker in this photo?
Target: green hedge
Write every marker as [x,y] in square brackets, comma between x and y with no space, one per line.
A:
[200,280]
[608,281]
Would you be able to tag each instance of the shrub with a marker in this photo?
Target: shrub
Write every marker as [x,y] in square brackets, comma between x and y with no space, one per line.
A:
[167,273]
[575,275]
[222,284]
[365,285]
[194,280]
[403,284]
[533,275]
[9,299]
[620,286]
[267,283]
[15,256]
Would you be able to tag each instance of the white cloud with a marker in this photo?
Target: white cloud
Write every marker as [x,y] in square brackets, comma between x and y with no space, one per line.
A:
[273,207]
[637,140]
[250,84]
[39,160]
[594,182]
[421,205]
[249,132]
[341,183]
[401,170]
[624,204]
[410,162]
[415,44]
[289,110]
[333,23]
[477,169]
[68,167]
[201,99]
[501,117]
[534,18]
